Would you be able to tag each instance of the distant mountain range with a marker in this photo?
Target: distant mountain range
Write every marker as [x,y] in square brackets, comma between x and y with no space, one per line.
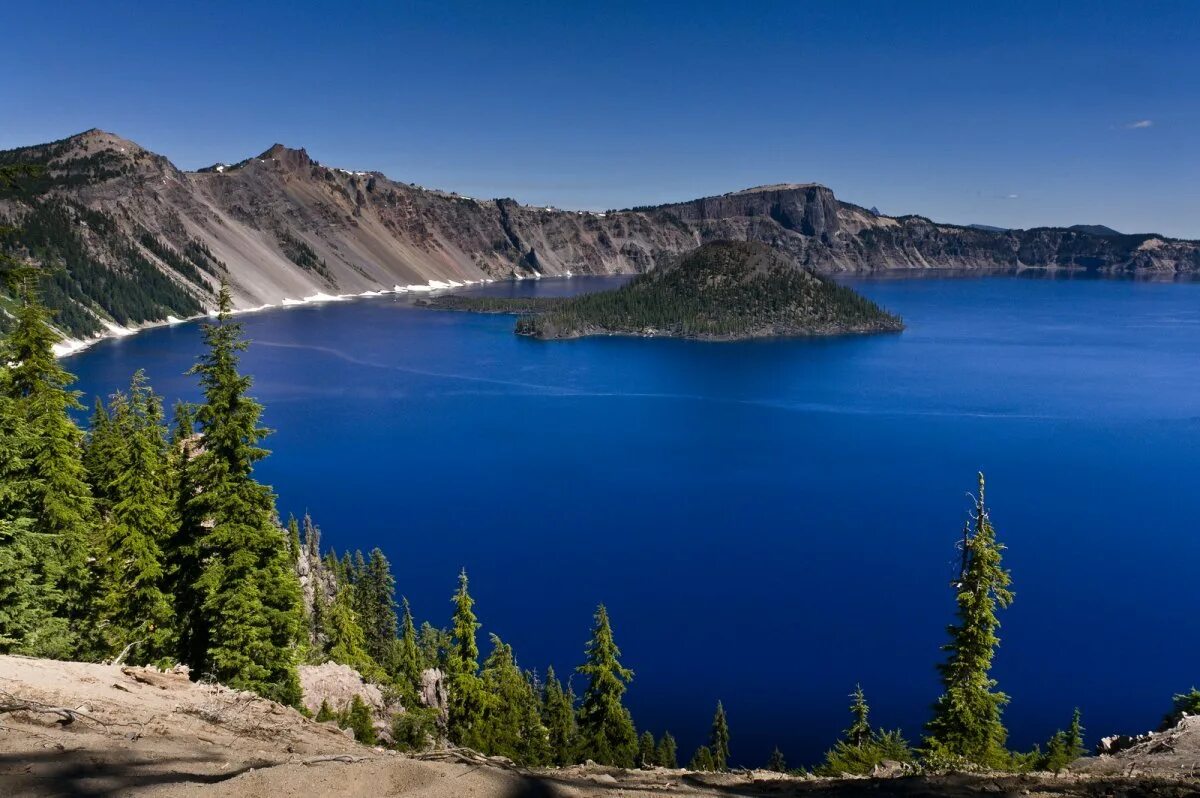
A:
[133,239]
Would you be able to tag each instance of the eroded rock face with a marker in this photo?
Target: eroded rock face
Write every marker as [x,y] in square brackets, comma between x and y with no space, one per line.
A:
[337,684]
[435,693]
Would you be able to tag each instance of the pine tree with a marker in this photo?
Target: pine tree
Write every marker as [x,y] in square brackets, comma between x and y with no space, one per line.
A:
[53,481]
[667,754]
[647,751]
[860,729]
[966,725]
[359,721]
[325,713]
[777,762]
[375,600]
[702,760]
[435,645]
[718,739]
[408,668]
[558,716]
[293,528]
[466,690]
[347,642]
[606,732]
[132,604]
[248,622]
[1064,747]
[511,722]
[17,615]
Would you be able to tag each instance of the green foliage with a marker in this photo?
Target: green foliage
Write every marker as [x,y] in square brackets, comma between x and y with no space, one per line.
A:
[358,720]
[1182,704]
[703,760]
[647,751]
[51,481]
[415,729]
[666,754]
[435,646]
[606,732]
[862,748]
[132,605]
[558,716]
[247,620]
[966,724]
[325,713]
[304,256]
[511,723]
[777,762]
[467,697]
[347,643]
[1064,747]
[718,739]
[375,603]
[407,659]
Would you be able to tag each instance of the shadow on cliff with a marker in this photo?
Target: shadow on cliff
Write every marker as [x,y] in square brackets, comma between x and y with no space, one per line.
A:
[86,774]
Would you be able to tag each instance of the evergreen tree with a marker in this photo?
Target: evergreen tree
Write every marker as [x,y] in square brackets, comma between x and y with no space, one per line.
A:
[511,723]
[133,607]
[325,713]
[702,760]
[408,658]
[17,615]
[606,733]
[558,716]
[293,528]
[860,728]
[466,690]
[347,643]
[861,747]
[53,482]
[359,721]
[248,622]
[375,600]
[435,645]
[966,725]
[1064,747]
[667,754]
[777,762]
[647,751]
[718,739]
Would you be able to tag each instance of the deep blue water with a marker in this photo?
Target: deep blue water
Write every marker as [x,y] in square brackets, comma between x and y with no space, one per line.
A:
[768,522]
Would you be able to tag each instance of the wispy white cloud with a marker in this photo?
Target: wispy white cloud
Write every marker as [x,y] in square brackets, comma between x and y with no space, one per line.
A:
[1141,123]
[1009,196]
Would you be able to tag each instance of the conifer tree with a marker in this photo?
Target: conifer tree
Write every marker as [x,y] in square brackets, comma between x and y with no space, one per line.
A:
[293,528]
[667,754]
[359,721]
[466,690]
[558,716]
[375,600]
[248,623]
[132,605]
[1064,747]
[647,751]
[860,729]
[702,760]
[606,732]
[17,614]
[347,643]
[435,645]
[718,739]
[777,762]
[408,657]
[966,724]
[511,723]
[53,481]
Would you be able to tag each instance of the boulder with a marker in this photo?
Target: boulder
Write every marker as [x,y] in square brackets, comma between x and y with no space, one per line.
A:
[337,684]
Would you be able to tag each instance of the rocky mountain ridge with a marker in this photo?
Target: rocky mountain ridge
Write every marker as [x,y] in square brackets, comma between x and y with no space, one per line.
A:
[133,239]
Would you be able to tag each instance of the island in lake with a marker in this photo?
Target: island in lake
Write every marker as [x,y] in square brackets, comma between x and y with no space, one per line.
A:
[723,291]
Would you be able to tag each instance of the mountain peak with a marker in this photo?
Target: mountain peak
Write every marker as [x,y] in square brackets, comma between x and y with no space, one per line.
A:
[287,156]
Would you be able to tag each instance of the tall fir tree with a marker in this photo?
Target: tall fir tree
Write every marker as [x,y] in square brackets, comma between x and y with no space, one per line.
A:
[860,728]
[558,716]
[966,724]
[718,739]
[606,732]
[247,626]
[345,637]
[777,762]
[53,480]
[466,690]
[133,607]
[511,723]
[375,600]
[407,669]
[647,751]
[667,755]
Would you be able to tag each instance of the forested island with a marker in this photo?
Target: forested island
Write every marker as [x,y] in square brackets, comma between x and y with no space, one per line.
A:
[724,291]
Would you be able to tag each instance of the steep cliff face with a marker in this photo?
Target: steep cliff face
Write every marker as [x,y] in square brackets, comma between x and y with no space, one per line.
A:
[131,238]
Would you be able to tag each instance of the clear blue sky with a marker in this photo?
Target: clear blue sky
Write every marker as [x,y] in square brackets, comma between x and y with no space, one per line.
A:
[1014,113]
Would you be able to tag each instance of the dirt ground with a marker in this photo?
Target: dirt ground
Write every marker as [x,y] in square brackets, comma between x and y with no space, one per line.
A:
[139,732]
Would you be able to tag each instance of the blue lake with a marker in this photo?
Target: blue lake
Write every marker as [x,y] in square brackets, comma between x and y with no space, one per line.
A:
[768,522]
